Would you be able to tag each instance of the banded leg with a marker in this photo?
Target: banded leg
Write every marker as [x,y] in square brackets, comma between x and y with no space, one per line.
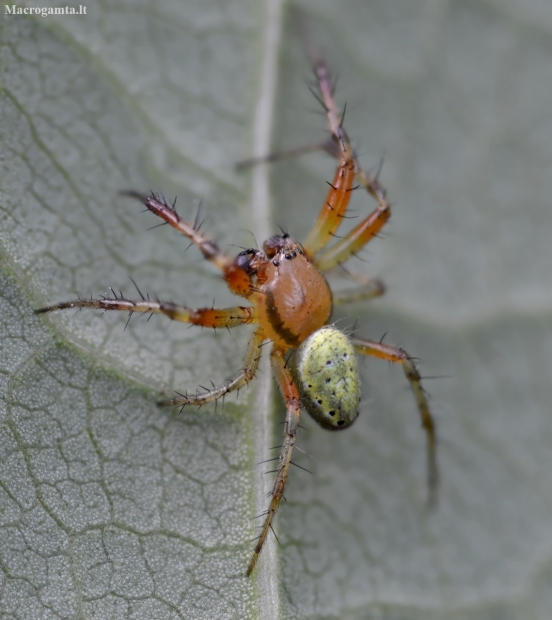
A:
[355,240]
[334,146]
[399,356]
[334,208]
[293,409]
[369,227]
[204,317]
[237,279]
[246,374]
[339,195]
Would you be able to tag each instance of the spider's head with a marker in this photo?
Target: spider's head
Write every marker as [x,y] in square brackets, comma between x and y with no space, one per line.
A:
[277,244]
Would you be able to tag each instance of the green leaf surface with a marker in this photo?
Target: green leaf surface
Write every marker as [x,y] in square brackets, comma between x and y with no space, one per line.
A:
[111,507]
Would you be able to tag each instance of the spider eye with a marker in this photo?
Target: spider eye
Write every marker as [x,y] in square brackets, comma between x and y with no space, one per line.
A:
[275,244]
[326,373]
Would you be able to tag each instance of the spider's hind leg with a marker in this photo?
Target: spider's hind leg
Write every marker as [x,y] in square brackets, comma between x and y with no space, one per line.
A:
[292,399]
[400,356]
[369,288]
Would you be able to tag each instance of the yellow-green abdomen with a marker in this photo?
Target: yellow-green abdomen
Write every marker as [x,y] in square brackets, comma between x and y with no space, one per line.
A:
[326,372]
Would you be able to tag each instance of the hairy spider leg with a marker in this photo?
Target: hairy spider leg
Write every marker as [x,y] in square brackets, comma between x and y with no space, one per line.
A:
[237,279]
[337,201]
[371,225]
[354,241]
[400,356]
[292,399]
[204,317]
[333,211]
[246,374]
[334,208]
[363,232]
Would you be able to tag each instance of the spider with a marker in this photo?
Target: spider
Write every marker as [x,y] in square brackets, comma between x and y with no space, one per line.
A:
[290,302]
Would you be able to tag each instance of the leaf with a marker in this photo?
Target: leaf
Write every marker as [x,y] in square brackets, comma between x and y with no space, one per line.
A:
[114,508]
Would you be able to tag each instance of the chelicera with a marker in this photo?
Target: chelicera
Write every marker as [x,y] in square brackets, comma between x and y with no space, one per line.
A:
[290,302]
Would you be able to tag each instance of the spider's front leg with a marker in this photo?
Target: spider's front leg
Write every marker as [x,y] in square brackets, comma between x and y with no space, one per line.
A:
[204,317]
[400,356]
[361,234]
[292,400]
[237,279]
[337,201]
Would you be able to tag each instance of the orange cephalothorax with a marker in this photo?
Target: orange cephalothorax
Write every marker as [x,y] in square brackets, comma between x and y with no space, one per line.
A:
[293,298]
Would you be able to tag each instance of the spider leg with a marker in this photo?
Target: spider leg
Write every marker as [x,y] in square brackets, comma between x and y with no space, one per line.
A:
[204,317]
[371,288]
[246,374]
[293,409]
[334,208]
[338,197]
[399,356]
[359,236]
[237,279]
[279,155]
